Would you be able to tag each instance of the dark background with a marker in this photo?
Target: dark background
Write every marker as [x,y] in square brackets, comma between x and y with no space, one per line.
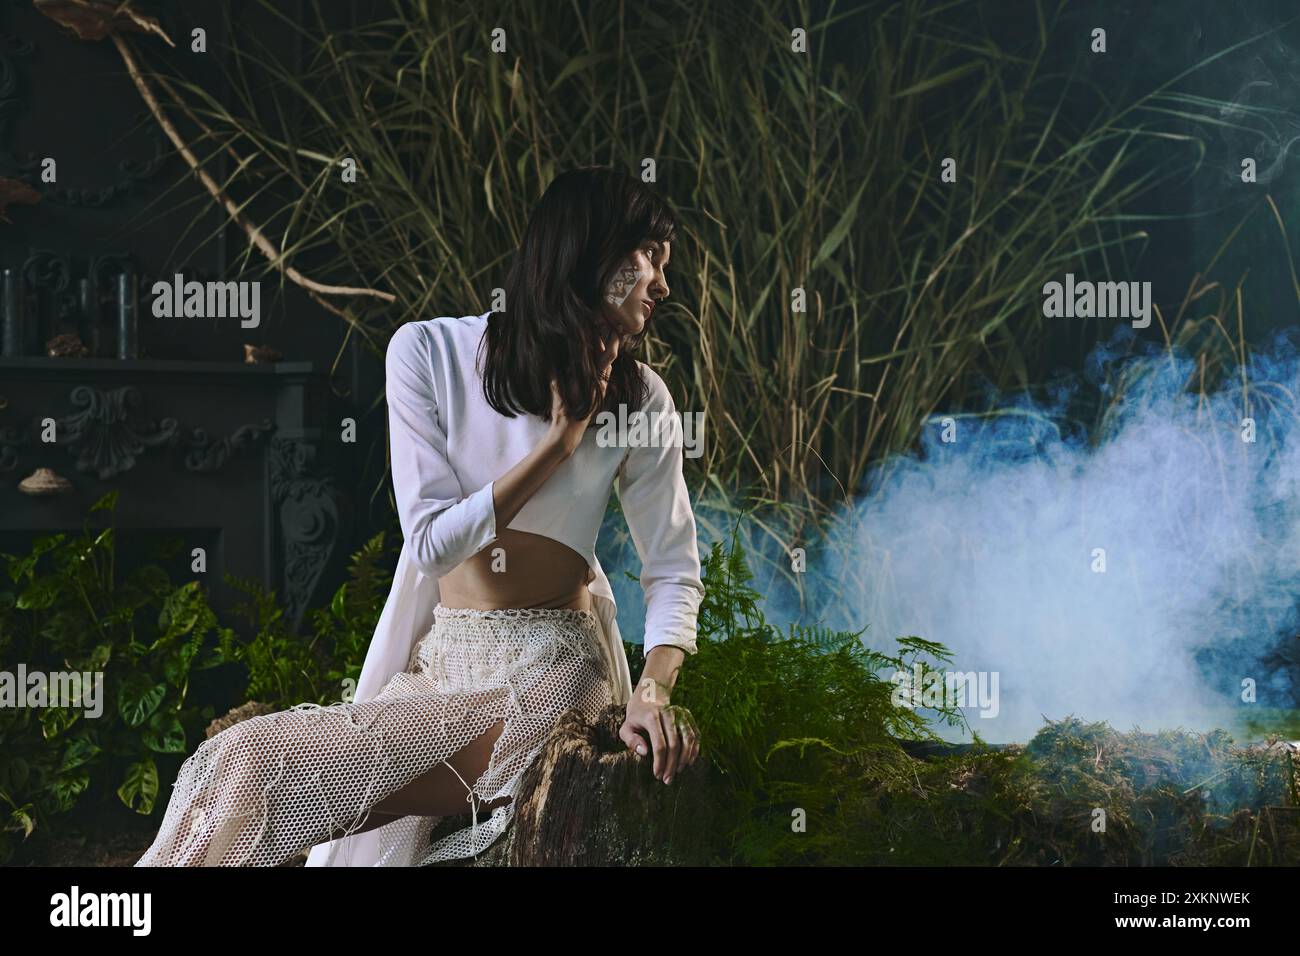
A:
[286,504]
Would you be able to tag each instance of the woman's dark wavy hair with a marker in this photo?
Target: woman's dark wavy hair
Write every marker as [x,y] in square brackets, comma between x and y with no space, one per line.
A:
[588,220]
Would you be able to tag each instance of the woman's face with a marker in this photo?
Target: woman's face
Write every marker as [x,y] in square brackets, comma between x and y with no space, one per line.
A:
[638,283]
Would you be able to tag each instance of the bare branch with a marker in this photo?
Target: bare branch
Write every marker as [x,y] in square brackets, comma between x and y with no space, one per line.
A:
[255,235]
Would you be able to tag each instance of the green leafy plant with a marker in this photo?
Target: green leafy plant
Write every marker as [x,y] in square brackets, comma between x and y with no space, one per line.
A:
[64,610]
[781,713]
[286,668]
[347,624]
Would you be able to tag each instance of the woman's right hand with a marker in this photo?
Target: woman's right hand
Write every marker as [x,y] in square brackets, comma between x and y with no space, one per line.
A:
[568,433]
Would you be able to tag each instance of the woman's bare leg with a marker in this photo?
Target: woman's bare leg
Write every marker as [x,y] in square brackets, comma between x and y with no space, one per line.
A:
[438,792]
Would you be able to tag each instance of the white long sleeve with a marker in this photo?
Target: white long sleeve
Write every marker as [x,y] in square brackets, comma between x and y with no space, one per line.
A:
[657,506]
[449,446]
[442,525]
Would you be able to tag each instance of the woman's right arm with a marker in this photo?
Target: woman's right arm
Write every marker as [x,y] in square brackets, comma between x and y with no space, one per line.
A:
[442,528]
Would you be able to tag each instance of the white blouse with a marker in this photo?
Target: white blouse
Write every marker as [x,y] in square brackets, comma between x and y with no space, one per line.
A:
[449,446]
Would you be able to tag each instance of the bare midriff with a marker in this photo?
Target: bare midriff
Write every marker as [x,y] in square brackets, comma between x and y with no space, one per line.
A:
[529,571]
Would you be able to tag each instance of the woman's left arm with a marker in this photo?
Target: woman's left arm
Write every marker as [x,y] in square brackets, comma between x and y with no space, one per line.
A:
[652,493]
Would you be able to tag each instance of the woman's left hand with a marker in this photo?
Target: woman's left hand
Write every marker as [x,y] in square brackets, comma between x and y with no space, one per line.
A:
[654,722]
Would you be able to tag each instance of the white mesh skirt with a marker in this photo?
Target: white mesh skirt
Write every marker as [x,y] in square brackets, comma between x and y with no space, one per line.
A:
[262,790]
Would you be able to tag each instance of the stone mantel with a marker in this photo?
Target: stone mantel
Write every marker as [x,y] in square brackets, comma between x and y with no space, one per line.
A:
[243,460]
[29,368]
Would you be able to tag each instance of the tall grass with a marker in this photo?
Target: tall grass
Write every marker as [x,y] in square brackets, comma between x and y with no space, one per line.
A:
[817,172]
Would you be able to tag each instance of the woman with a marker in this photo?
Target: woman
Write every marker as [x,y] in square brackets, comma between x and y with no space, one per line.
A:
[500,617]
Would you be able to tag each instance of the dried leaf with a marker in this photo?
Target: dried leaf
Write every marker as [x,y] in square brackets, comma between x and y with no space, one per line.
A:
[97,19]
[15,191]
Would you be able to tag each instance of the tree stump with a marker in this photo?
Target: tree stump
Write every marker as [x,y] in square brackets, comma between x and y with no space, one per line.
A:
[588,801]
[235,715]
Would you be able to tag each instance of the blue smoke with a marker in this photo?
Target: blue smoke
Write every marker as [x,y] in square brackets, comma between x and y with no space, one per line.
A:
[987,545]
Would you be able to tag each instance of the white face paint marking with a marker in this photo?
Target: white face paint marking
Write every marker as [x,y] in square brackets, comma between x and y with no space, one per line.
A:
[626,277]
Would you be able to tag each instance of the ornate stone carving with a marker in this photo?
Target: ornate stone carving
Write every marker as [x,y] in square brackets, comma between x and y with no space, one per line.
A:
[54,273]
[106,439]
[131,171]
[103,438]
[206,454]
[313,519]
[10,438]
[51,272]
